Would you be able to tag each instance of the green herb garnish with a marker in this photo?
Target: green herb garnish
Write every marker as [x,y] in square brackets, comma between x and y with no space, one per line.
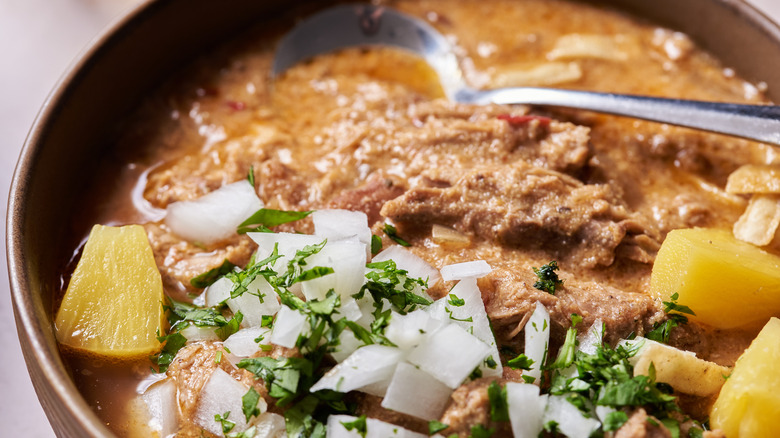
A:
[266,218]
[435,427]
[675,317]
[392,233]
[548,279]
[499,408]
[208,278]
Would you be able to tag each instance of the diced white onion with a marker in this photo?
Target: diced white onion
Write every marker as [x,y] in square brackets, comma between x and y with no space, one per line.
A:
[242,343]
[450,354]
[407,331]
[348,260]
[526,409]
[374,429]
[248,303]
[348,343]
[473,309]
[591,340]
[162,407]
[349,309]
[251,306]
[337,225]
[603,411]
[194,333]
[214,216]
[218,292]
[269,425]
[460,271]
[571,422]
[367,365]
[537,337]
[411,263]
[221,394]
[417,393]
[288,326]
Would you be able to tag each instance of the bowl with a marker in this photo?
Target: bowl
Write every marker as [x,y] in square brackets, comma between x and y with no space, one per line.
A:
[137,53]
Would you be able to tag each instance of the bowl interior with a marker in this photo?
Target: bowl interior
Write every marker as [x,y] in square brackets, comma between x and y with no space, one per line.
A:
[137,54]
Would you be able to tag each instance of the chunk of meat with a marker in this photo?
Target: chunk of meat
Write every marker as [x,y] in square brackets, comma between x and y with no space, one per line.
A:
[521,206]
[469,406]
[179,261]
[639,426]
[190,371]
[509,296]
[371,406]
[370,197]
[203,171]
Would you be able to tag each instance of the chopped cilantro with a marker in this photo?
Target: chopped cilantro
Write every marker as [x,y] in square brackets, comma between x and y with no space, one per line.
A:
[173,343]
[455,301]
[248,433]
[386,281]
[479,431]
[250,176]
[499,408]
[266,218]
[615,420]
[672,425]
[566,353]
[695,432]
[548,279]
[242,279]
[435,427]
[606,378]
[521,362]
[392,233]
[231,327]
[300,422]
[227,425]
[208,278]
[311,274]
[528,379]
[181,315]
[358,425]
[675,317]
[376,244]
[249,404]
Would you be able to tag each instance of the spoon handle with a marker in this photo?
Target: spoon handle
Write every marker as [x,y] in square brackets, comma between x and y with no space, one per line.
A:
[753,122]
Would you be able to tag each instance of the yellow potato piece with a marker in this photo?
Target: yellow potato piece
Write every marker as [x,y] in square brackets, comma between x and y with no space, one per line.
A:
[113,304]
[726,282]
[749,403]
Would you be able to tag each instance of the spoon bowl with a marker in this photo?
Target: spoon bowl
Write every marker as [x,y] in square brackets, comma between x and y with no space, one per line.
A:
[361,25]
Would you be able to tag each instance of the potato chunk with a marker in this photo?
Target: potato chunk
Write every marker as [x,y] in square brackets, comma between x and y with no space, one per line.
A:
[726,282]
[113,304]
[748,404]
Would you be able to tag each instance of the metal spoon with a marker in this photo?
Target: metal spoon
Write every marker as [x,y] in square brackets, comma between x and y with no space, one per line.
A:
[365,25]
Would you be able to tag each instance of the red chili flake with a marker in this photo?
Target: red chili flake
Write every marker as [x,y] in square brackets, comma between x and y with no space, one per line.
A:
[523,120]
[236,106]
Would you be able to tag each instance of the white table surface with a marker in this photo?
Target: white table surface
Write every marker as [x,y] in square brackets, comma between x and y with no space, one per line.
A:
[38,40]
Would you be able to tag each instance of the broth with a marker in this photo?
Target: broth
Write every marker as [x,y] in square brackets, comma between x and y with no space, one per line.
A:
[364,128]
